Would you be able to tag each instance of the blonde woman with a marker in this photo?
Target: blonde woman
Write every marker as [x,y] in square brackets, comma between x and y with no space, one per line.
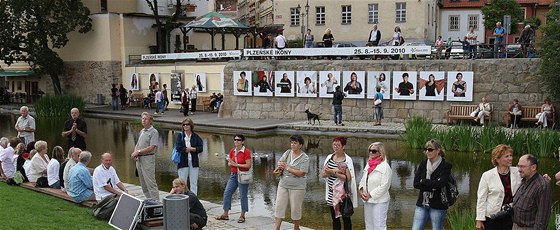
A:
[328,38]
[39,162]
[374,187]
[197,213]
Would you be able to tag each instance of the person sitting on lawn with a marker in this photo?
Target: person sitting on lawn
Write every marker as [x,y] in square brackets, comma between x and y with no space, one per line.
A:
[105,179]
[80,185]
[197,212]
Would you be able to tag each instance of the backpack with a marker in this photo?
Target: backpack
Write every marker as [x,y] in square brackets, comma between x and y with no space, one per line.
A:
[104,209]
[449,192]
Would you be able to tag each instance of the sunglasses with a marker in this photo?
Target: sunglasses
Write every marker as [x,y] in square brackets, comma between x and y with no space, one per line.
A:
[374,151]
[237,139]
[186,124]
[428,149]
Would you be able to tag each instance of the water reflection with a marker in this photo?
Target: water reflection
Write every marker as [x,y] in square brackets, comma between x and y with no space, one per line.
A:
[119,138]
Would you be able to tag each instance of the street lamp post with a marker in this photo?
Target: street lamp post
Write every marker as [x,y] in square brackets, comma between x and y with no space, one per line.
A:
[301,25]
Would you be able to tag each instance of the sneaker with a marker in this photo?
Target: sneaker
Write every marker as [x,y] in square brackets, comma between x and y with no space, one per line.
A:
[156,113]
[341,124]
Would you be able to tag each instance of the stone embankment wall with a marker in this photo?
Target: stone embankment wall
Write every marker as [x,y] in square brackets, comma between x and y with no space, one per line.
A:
[89,78]
[501,80]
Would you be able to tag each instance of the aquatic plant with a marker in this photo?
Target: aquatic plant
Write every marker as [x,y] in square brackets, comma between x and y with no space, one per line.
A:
[461,218]
[58,106]
[418,131]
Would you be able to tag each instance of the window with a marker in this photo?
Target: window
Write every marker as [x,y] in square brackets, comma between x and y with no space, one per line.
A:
[373,13]
[294,16]
[400,12]
[346,14]
[523,14]
[473,21]
[19,86]
[320,15]
[103,6]
[453,22]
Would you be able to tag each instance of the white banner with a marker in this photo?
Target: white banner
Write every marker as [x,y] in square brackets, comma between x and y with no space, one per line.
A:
[194,55]
[346,51]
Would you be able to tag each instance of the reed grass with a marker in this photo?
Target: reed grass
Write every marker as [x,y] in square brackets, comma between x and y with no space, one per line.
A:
[58,106]
[460,218]
[418,131]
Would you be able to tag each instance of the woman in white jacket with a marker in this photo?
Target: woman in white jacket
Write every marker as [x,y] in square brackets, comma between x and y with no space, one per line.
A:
[497,188]
[374,187]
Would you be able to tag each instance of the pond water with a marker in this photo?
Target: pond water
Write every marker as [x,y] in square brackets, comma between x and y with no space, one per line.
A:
[118,137]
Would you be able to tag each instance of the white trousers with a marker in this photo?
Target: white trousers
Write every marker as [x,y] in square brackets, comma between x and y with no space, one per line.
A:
[375,215]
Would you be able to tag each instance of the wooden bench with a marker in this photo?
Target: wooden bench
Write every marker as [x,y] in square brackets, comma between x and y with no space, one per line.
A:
[56,192]
[203,104]
[463,112]
[528,114]
[138,100]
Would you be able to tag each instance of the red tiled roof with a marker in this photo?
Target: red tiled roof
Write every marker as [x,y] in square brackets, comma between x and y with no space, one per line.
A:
[463,3]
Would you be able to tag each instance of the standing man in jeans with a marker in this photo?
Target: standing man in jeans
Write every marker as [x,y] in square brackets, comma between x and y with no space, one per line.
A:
[499,33]
[309,39]
[338,96]
[115,97]
[472,39]
[144,155]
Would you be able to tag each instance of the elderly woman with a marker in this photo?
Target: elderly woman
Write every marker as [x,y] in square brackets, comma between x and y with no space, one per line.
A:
[53,168]
[515,113]
[239,159]
[374,187]
[189,144]
[294,165]
[546,112]
[197,213]
[496,188]
[431,176]
[39,162]
[332,174]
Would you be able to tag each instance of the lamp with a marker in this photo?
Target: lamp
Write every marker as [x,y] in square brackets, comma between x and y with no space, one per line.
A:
[307,14]
[301,24]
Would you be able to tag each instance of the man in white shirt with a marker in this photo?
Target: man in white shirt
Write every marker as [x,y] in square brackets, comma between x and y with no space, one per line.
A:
[74,157]
[25,126]
[105,179]
[159,102]
[280,41]
[472,39]
[7,169]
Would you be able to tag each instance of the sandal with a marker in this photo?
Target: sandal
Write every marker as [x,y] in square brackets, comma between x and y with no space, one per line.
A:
[222,218]
[241,220]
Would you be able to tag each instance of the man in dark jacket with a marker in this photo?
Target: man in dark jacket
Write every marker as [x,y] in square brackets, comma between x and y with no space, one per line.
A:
[338,96]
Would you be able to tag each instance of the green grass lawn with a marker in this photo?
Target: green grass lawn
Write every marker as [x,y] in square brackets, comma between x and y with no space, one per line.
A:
[26,209]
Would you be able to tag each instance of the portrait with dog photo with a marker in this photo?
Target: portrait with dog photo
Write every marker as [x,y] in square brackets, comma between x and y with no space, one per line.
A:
[328,80]
[431,86]
[404,85]
[285,86]
[353,83]
[306,84]
[242,83]
[381,79]
[262,86]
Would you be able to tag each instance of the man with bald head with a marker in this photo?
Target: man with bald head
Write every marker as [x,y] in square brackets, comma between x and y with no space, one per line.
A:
[532,202]
[75,130]
[105,179]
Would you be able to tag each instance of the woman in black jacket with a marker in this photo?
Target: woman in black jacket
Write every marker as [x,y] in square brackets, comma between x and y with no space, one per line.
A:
[189,144]
[432,174]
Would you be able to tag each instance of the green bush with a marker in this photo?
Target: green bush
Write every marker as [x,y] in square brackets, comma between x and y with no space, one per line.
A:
[58,106]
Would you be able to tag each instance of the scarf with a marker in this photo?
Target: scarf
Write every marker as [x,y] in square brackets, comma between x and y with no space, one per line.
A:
[431,167]
[372,163]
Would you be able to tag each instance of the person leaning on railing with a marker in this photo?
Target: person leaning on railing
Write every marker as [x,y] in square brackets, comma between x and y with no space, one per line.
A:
[526,39]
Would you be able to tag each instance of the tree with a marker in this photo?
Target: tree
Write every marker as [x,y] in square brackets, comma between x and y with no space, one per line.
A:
[164,29]
[495,12]
[550,53]
[31,29]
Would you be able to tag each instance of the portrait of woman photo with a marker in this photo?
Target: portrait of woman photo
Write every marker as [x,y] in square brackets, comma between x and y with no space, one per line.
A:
[134,81]
[404,90]
[200,82]
[378,79]
[431,85]
[353,86]
[284,87]
[153,80]
[242,83]
[328,81]
[306,84]
[459,85]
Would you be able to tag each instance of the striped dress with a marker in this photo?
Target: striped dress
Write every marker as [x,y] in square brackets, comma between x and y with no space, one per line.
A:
[331,164]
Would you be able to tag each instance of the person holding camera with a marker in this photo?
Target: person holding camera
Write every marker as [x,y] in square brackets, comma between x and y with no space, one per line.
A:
[496,190]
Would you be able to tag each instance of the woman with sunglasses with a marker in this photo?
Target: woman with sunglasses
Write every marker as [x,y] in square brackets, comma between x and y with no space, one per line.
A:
[189,144]
[374,187]
[497,188]
[239,158]
[331,173]
[431,176]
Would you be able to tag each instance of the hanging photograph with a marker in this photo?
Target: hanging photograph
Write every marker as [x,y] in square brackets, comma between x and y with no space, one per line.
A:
[286,85]
[306,84]
[261,83]
[200,82]
[134,81]
[154,80]
[431,86]
[381,79]
[353,82]
[242,83]
[328,80]
[404,85]
[176,87]
[460,86]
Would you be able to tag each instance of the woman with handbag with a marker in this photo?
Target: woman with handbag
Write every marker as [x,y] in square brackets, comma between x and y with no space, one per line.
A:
[331,173]
[377,106]
[374,187]
[240,160]
[189,145]
[432,175]
[293,167]
[496,188]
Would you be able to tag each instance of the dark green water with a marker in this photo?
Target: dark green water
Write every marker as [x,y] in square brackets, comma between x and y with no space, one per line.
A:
[118,137]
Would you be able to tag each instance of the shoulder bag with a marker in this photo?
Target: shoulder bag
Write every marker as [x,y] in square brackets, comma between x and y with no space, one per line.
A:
[104,209]
[449,192]
[176,155]
[244,177]
[347,205]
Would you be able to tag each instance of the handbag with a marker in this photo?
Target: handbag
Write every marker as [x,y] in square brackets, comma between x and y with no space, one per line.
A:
[277,171]
[42,182]
[347,209]
[449,192]
[176,155]
[377,102]
[104,209]
[244,177]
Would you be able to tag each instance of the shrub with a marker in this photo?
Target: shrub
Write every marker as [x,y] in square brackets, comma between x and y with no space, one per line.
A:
[58,106]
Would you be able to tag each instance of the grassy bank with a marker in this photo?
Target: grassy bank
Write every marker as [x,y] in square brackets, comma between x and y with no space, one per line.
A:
[26,209]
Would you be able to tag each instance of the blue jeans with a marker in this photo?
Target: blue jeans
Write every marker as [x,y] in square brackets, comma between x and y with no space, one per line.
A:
[497,45]
[337,114]
[231,186]
[309,45]
[115,103]
[423,213]
[160,106]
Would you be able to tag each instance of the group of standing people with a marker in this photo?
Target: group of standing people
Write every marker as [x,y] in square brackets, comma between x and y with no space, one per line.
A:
[117,94]
[188,100]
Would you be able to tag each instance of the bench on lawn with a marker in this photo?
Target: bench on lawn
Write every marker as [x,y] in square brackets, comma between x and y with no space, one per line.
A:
[529,113]
[56,192]
[463,112]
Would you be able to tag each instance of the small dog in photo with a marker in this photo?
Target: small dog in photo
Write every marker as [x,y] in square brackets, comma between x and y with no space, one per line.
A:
[311,116]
